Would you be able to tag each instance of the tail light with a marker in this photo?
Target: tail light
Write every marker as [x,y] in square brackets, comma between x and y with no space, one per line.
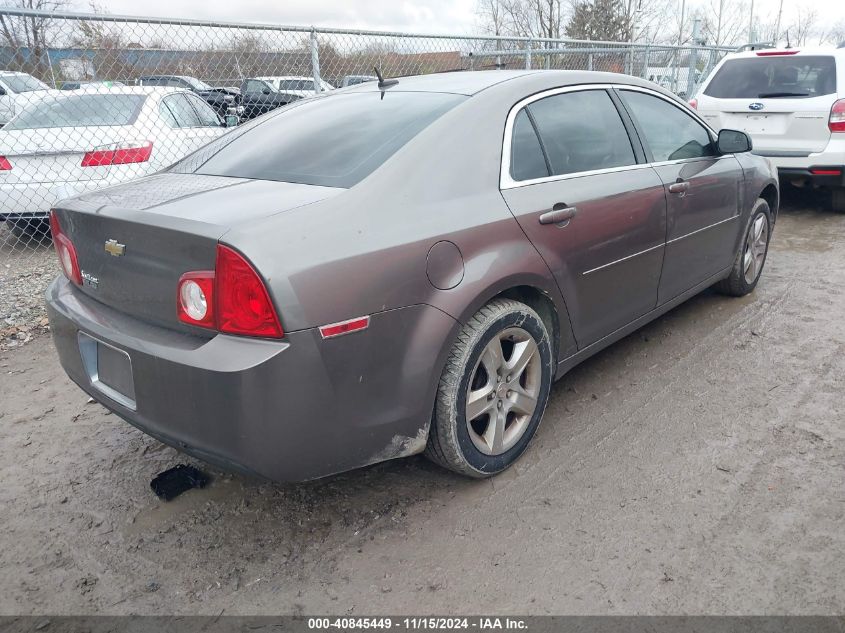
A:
[118,154]
[5,165]
[693,103]
[775,53]
[837,117]
[65,250]
[231,299]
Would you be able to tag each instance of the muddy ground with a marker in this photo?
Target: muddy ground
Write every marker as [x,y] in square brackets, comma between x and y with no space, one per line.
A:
[698,466]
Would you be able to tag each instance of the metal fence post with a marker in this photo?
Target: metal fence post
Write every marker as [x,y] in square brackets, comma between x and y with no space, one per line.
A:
[693,57]
[528,47]
[315,61]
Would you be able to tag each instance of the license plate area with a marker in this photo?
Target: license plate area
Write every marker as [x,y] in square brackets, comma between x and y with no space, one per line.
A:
[109,369]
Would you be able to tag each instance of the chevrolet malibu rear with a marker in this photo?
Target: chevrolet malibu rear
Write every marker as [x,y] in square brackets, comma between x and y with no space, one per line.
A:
[400,267]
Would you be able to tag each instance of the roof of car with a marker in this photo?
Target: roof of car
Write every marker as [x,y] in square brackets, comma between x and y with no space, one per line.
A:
[124,90]
[278,77]
[799,51]
[472,82]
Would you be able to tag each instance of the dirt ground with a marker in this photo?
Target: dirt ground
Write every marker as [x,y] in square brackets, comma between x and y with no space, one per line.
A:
[698,466]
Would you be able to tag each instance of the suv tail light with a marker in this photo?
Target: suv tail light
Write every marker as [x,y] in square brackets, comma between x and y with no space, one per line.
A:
[118,154]
[231,299]
[65,250]
[837,117]
[5,165]
[773,53]
[693,103]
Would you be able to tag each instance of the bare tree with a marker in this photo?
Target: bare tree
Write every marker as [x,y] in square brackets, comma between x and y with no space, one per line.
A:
[724,22]
[523,18]
[804,24]
[29,33]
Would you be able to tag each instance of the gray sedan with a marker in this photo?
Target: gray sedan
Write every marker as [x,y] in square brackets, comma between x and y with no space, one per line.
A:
[400,267]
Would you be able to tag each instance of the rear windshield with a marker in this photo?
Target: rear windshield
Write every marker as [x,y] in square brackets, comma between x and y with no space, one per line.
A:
[332,141]
[23,83]
[79,111]
[787,76]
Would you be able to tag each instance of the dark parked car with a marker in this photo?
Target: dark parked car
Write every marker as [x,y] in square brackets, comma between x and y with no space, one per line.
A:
[259,95]
[271,306]
[220,98]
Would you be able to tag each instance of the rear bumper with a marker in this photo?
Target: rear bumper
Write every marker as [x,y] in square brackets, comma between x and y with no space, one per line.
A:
[800,167]
[815,175]
[286,410]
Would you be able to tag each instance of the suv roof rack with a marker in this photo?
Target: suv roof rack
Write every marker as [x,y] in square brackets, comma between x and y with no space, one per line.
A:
[754,46]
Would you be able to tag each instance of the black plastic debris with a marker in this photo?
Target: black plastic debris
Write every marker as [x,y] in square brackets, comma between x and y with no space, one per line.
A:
[174,481]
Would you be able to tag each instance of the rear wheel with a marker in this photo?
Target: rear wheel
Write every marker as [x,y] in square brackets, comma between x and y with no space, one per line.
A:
[839,199]
[493,390]
[752,256]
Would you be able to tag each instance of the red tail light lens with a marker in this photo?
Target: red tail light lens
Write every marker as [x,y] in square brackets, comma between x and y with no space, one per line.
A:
[693,103]
[5,165]
[774,53]
[65,250]
[837,117]
[231,299]
[243,305]
[118,154]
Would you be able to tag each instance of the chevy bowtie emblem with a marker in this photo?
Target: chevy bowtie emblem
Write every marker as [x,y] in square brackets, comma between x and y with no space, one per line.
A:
[115,248]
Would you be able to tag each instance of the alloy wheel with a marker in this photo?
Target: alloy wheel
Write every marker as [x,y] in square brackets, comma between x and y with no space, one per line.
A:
[503,391]
[755,248]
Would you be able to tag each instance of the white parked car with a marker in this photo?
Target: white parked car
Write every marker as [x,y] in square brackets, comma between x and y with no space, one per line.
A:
[19,90]
[80,141]
[300,86]
[792,104]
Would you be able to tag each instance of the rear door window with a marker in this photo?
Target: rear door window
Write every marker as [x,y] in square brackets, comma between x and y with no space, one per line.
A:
[582,131]
[207,116]
[670,133]
[527,160]
[182,111]
[771,77]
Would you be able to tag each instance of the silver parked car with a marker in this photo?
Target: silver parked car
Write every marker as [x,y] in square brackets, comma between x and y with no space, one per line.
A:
[274,307]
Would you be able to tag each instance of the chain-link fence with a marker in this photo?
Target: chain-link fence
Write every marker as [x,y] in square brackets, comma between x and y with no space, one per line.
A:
[88,101]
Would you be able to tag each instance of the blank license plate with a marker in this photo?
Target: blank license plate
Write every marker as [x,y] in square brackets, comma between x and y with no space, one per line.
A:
[109,369]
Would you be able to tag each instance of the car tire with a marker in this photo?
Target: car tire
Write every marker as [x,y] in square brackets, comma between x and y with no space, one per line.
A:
[751,258]
[838,202]
[502,360]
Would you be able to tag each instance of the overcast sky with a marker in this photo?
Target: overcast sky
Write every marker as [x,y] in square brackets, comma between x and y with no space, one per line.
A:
[419,16]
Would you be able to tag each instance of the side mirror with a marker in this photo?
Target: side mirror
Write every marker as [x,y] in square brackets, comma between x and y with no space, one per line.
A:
[266,91]
[733,142]
[2,92]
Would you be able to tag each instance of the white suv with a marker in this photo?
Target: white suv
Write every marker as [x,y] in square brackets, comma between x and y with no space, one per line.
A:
[792,104]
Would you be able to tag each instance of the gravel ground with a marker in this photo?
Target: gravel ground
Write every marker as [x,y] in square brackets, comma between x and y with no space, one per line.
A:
[26,268]
[696,467]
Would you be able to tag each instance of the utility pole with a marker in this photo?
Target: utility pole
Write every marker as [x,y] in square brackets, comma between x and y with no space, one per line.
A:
[751,24]
[693,57]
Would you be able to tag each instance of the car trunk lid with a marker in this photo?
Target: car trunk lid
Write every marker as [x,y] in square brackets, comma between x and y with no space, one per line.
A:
[161,227]
[781,124]
[49,155]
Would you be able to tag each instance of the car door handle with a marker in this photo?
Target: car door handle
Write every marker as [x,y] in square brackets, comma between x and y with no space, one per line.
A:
[679,187]
[559,215]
